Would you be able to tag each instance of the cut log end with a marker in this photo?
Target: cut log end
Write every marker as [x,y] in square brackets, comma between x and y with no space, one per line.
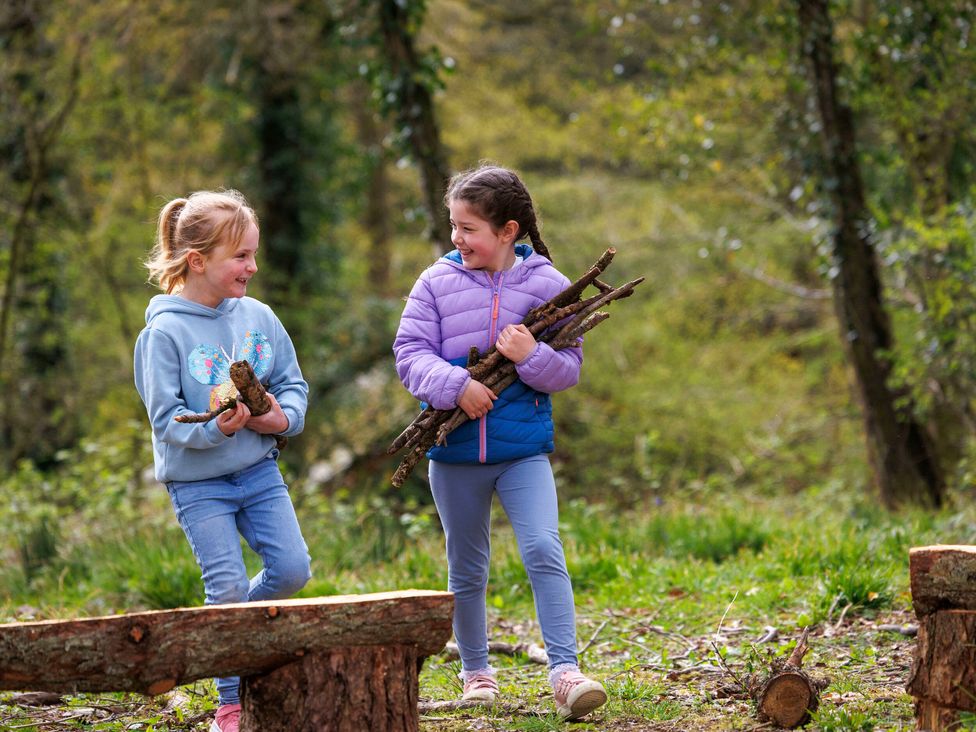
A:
[788,698]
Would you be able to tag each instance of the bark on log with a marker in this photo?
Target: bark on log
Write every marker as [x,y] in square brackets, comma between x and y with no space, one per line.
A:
[151,652]
[943,577]
[345,690]
[944,669]
[250,388]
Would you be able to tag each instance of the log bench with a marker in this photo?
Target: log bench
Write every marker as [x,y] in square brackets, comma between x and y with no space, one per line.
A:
[339,664]
[943,677]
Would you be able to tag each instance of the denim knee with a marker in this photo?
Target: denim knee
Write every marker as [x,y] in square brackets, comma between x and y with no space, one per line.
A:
[227,592]
[290,575]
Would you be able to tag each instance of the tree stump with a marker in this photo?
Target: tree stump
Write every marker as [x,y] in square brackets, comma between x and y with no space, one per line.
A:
[346,690]
[340,663]
[789,694]
[943,677]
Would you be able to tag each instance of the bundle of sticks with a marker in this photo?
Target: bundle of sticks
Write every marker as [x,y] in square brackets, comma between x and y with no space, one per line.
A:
[571,315]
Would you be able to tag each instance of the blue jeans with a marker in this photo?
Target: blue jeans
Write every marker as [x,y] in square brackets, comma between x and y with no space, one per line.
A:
[527,492]
[253,503]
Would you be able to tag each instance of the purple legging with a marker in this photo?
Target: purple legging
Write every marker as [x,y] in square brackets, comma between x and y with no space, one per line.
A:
[527,492]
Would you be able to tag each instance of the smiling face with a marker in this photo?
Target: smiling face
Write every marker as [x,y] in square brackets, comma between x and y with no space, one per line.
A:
[480,245]
[224,273]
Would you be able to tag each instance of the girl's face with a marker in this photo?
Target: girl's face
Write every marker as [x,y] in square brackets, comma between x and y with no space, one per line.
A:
[480,245]
[225,272]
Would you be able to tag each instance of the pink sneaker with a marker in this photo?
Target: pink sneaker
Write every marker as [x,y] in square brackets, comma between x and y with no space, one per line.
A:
[228,718]
[576,695]
[480,686]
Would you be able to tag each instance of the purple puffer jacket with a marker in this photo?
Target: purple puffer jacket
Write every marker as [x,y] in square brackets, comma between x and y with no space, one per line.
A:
[451,309]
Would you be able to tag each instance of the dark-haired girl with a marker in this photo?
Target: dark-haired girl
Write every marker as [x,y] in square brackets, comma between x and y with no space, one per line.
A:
[478,295]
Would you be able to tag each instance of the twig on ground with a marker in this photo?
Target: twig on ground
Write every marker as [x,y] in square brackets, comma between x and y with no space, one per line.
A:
[907,630]
[534,652]
[442,706]
[593,637]
[729,607]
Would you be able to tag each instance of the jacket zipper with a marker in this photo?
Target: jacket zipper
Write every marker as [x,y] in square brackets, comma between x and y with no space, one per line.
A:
[483,422]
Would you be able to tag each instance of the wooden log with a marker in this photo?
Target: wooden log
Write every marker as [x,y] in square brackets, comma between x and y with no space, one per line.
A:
[151,652]
[943,577]
[345,690]
[789,694]
[252,391]
[944,668]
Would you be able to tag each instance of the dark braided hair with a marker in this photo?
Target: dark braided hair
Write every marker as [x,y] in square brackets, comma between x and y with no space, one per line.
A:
[498,196]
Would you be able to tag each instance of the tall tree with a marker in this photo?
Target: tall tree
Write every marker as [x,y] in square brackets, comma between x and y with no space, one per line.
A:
[906,468]
[409,82]
[295,138]
[38,92]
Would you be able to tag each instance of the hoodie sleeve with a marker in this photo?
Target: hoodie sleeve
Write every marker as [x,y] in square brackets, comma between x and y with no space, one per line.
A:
[417,349]
[157,376]
[287,383]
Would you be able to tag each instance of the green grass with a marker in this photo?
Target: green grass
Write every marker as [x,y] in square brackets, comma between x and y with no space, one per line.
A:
[671,598]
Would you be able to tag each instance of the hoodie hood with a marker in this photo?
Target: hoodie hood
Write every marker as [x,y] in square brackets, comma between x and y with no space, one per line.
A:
[175,304]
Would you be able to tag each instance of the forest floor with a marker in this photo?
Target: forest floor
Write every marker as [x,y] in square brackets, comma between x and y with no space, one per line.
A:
[867,660]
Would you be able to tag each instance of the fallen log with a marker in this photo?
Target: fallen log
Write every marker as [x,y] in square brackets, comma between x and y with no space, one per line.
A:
[370,646]
[574,318]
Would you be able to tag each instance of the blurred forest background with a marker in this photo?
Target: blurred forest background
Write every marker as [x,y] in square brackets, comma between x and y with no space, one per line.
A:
[688,134]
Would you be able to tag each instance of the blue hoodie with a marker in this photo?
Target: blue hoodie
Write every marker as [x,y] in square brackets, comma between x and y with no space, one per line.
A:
[183,354]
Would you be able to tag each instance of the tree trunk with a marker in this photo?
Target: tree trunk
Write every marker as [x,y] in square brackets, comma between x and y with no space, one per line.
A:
[415,112]
[904,462]
[371,688]
[34,301]
[376,214]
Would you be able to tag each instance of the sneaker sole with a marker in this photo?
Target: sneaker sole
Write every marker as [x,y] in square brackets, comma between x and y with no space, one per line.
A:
[583,704]
[479,696]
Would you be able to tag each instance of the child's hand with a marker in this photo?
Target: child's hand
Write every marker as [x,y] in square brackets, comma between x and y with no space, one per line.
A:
[270,423]
[233,420]
[515,342]
[476,399]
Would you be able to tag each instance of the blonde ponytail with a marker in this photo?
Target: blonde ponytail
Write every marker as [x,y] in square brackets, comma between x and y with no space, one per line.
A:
[201,223]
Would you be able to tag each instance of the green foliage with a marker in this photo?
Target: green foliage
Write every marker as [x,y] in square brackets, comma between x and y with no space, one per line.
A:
[829,719]
[934,261]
